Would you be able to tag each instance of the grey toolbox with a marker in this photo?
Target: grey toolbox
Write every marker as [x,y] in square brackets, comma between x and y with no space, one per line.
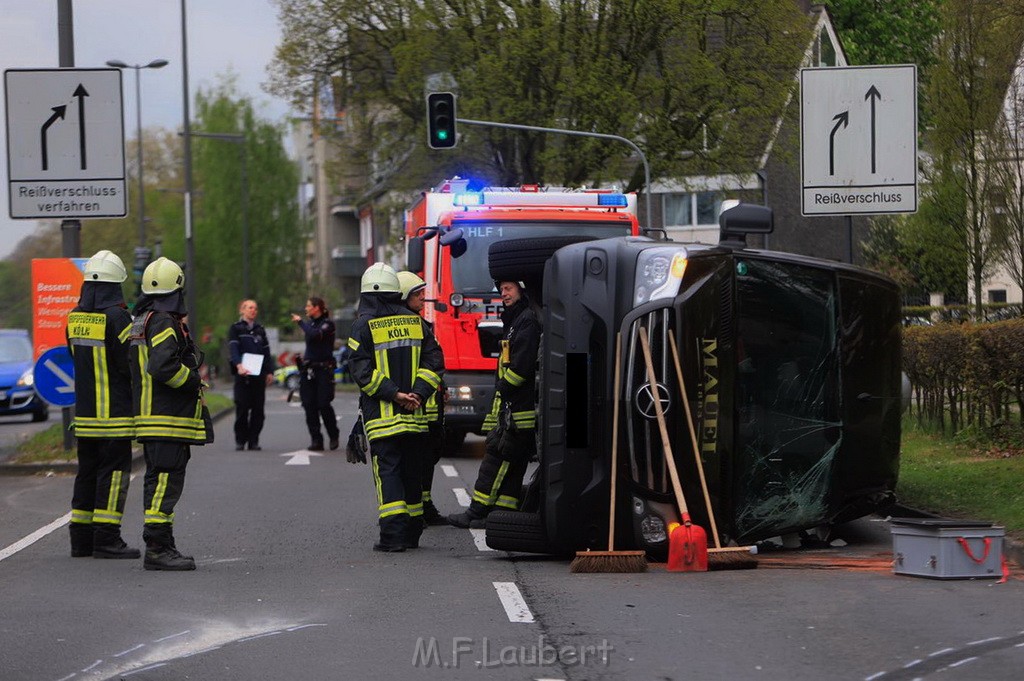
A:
[947,549]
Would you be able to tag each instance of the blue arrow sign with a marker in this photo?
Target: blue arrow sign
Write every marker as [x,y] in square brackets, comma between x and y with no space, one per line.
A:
[55,377]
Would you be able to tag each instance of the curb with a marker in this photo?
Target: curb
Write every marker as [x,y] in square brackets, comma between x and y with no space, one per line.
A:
[1012,549]
[72,466]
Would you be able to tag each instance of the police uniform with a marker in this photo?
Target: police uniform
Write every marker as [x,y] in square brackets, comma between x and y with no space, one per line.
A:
[500,478]
[316,385]
[97,333]
[251,390]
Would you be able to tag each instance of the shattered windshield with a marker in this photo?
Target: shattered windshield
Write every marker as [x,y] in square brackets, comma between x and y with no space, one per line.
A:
[787,394]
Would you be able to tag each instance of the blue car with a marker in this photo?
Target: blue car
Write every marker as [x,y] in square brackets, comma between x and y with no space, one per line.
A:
[17,394]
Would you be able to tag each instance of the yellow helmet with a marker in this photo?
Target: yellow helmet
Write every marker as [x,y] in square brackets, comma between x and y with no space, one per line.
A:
[409,283]
[379,278]
[162,276]
[105,266]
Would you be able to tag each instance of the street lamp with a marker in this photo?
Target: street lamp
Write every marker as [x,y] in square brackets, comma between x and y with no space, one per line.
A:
[155,64]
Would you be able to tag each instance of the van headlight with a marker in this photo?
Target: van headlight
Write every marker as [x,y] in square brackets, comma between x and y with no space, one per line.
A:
[659,272]
[27,379]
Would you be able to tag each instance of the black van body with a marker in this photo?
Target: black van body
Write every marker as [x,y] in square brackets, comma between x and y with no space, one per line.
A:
[791,368]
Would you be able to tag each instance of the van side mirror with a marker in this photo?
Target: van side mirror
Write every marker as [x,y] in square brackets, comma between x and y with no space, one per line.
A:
[746,218]
[414,256]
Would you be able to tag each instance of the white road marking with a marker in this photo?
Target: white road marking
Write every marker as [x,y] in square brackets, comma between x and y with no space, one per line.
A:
[963,661]
[133,649]
[985,640]
[449,470]
[911,664]
[165,638]
[144,669]
[35,536]
[300,457]
[462,496]
[941,652]
[874,676]
[480,539]
[92,666]
[513,602]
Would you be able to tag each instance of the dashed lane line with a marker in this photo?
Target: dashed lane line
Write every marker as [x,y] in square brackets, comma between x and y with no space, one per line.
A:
[513,602]
[480,539]
[449,470]
[462,496]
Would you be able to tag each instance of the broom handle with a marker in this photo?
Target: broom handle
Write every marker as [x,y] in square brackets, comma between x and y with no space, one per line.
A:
[652,382]
[615,441]
[693,437]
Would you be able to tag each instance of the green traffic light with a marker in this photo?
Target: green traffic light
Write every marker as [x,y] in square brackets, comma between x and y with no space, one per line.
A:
[442,134]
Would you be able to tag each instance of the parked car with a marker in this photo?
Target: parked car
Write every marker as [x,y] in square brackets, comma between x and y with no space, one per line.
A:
[17,392]
[288,375]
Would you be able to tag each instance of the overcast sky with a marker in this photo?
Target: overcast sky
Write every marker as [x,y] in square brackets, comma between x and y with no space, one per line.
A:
[223,35]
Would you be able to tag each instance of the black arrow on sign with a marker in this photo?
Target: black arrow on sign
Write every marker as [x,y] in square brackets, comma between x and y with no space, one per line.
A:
[873,94]
[843,120]
[58,112]
[81,94]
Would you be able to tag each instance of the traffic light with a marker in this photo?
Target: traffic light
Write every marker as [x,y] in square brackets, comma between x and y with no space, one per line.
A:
[441,120]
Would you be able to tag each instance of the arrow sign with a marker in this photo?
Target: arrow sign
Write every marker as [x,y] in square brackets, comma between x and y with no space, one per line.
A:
[81,94]
[843,120]
[299,458]
[58,112]
[873,94]
[54,375]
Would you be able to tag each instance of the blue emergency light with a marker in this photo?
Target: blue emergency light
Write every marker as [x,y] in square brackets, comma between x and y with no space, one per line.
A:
[611,200]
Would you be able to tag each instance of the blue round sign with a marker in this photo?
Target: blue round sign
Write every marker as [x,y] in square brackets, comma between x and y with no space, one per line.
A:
[55,377]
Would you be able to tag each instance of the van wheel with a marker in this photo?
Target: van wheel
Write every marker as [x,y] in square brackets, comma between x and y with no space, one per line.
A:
[524,259]
[516,531]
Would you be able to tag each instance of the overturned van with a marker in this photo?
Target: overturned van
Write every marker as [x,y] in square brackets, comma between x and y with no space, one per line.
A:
[790,366]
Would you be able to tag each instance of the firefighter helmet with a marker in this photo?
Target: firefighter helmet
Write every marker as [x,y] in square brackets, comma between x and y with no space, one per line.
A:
[105,266]
[379,278]
[162,276]
[409,283]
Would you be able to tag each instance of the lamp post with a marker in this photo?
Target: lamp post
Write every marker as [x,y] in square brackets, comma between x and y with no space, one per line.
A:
[155,64]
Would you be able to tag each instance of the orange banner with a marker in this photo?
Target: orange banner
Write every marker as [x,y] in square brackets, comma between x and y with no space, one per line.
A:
[56,285]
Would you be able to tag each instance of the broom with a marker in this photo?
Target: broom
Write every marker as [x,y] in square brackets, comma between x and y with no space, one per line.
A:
[687,543]
[719,558]
[611,560]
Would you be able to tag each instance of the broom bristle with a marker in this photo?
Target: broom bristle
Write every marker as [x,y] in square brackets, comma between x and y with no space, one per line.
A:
[609,561]
[731,558]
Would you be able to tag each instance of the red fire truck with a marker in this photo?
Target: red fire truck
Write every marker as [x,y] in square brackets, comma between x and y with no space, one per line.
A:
[531,222]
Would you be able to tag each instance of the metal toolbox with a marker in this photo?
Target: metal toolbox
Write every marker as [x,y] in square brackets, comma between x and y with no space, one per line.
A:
[946,549]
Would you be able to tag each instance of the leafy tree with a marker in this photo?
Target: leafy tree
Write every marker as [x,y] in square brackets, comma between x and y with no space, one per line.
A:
[887,31]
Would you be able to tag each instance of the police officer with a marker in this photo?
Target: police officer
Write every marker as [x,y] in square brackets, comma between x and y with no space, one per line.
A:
[500,479]
[414,291]
[316,371]
[397,364]
[97,333]
[167,401]
[248,337]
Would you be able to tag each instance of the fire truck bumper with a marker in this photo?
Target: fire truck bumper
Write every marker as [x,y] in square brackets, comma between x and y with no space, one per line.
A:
[470,394]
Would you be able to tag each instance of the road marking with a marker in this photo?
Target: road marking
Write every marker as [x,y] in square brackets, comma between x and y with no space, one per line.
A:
[941,652]
[480,539]
[874,676]
[35,536]
[165,638]
[963,661]
[985,640]
[300,457]
[130,650]
[144,669]
[461,496]
[449,470]
[513,602]
[95,664]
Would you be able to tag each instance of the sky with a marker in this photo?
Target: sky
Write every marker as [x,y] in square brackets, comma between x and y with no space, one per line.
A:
[236,36]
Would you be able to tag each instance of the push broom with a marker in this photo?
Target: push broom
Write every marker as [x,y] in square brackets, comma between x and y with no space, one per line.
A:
[719,558]
[687,543]
[611,560]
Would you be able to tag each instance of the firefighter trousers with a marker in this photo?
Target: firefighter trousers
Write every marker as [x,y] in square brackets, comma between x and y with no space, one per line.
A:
[433,446]
[165,479]
[499,482]
[397,471]
[101,485]
[250,396]
[316,390]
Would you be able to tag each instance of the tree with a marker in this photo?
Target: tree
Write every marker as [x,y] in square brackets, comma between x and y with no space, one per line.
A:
[887,31]
[706,77]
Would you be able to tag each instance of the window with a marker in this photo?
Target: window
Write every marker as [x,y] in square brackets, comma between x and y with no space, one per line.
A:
[677,210]
[997,295]
[827,52]
[709,204]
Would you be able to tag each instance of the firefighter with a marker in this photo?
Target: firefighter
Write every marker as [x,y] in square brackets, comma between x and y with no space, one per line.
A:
[248,337]
[414,291]
[512,421]
[316,372]
[397,364]
[97,334]
[167,400]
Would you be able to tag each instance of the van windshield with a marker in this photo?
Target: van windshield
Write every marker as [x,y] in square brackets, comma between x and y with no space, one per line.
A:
[470,273]
[15,349]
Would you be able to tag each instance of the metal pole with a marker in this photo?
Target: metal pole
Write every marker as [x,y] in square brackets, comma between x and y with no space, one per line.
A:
[245,220]
[578,133]
[190,255]
[71,230]
[138,143]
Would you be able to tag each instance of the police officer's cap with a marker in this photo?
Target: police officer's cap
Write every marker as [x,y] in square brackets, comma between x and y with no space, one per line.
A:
[162,276]
[105,266]
[409,283]
[379,278]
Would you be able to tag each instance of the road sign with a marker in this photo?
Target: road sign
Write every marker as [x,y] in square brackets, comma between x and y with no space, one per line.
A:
[65,143]
[56,286]
[858,140]
[54,375]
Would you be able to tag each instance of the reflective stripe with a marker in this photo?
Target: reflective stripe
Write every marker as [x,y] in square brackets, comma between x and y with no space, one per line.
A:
[179,377]
[158,499]
[162,336]
[394,430]
[81,517]
[429,376]
[106,517]
[112,493]
[390,345]
[394,508]
[125,332]
[514,379]
[376,481]
[77,342]
[101,380]
[353,343]
[376,379]
[146,389]
[505,501]
[416,510]
[157,518]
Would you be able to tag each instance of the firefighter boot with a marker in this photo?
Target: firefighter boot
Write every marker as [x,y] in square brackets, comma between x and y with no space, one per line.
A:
[107,543]
[161,553]
[81,539]
[431,516]
[474,517]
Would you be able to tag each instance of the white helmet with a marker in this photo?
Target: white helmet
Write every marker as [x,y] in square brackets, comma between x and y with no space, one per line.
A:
[379,278]
[105,266]
[162,276]
[409,283]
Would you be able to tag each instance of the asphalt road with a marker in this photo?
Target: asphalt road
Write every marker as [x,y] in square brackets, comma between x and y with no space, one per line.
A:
[288,587]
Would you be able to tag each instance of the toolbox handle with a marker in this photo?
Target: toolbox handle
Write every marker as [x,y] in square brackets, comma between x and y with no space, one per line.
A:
[970,554]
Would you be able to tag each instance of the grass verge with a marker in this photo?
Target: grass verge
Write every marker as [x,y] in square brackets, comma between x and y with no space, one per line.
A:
[47,446]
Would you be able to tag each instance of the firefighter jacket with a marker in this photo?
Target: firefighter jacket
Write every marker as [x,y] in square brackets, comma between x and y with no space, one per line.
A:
[167,389]
[393,350]
[97,334]
[517,367]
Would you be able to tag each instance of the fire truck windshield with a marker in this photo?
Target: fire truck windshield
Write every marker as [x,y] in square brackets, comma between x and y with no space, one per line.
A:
[470,273]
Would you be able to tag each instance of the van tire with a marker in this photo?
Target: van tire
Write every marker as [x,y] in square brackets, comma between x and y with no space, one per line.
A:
[516,531]
[524,259]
